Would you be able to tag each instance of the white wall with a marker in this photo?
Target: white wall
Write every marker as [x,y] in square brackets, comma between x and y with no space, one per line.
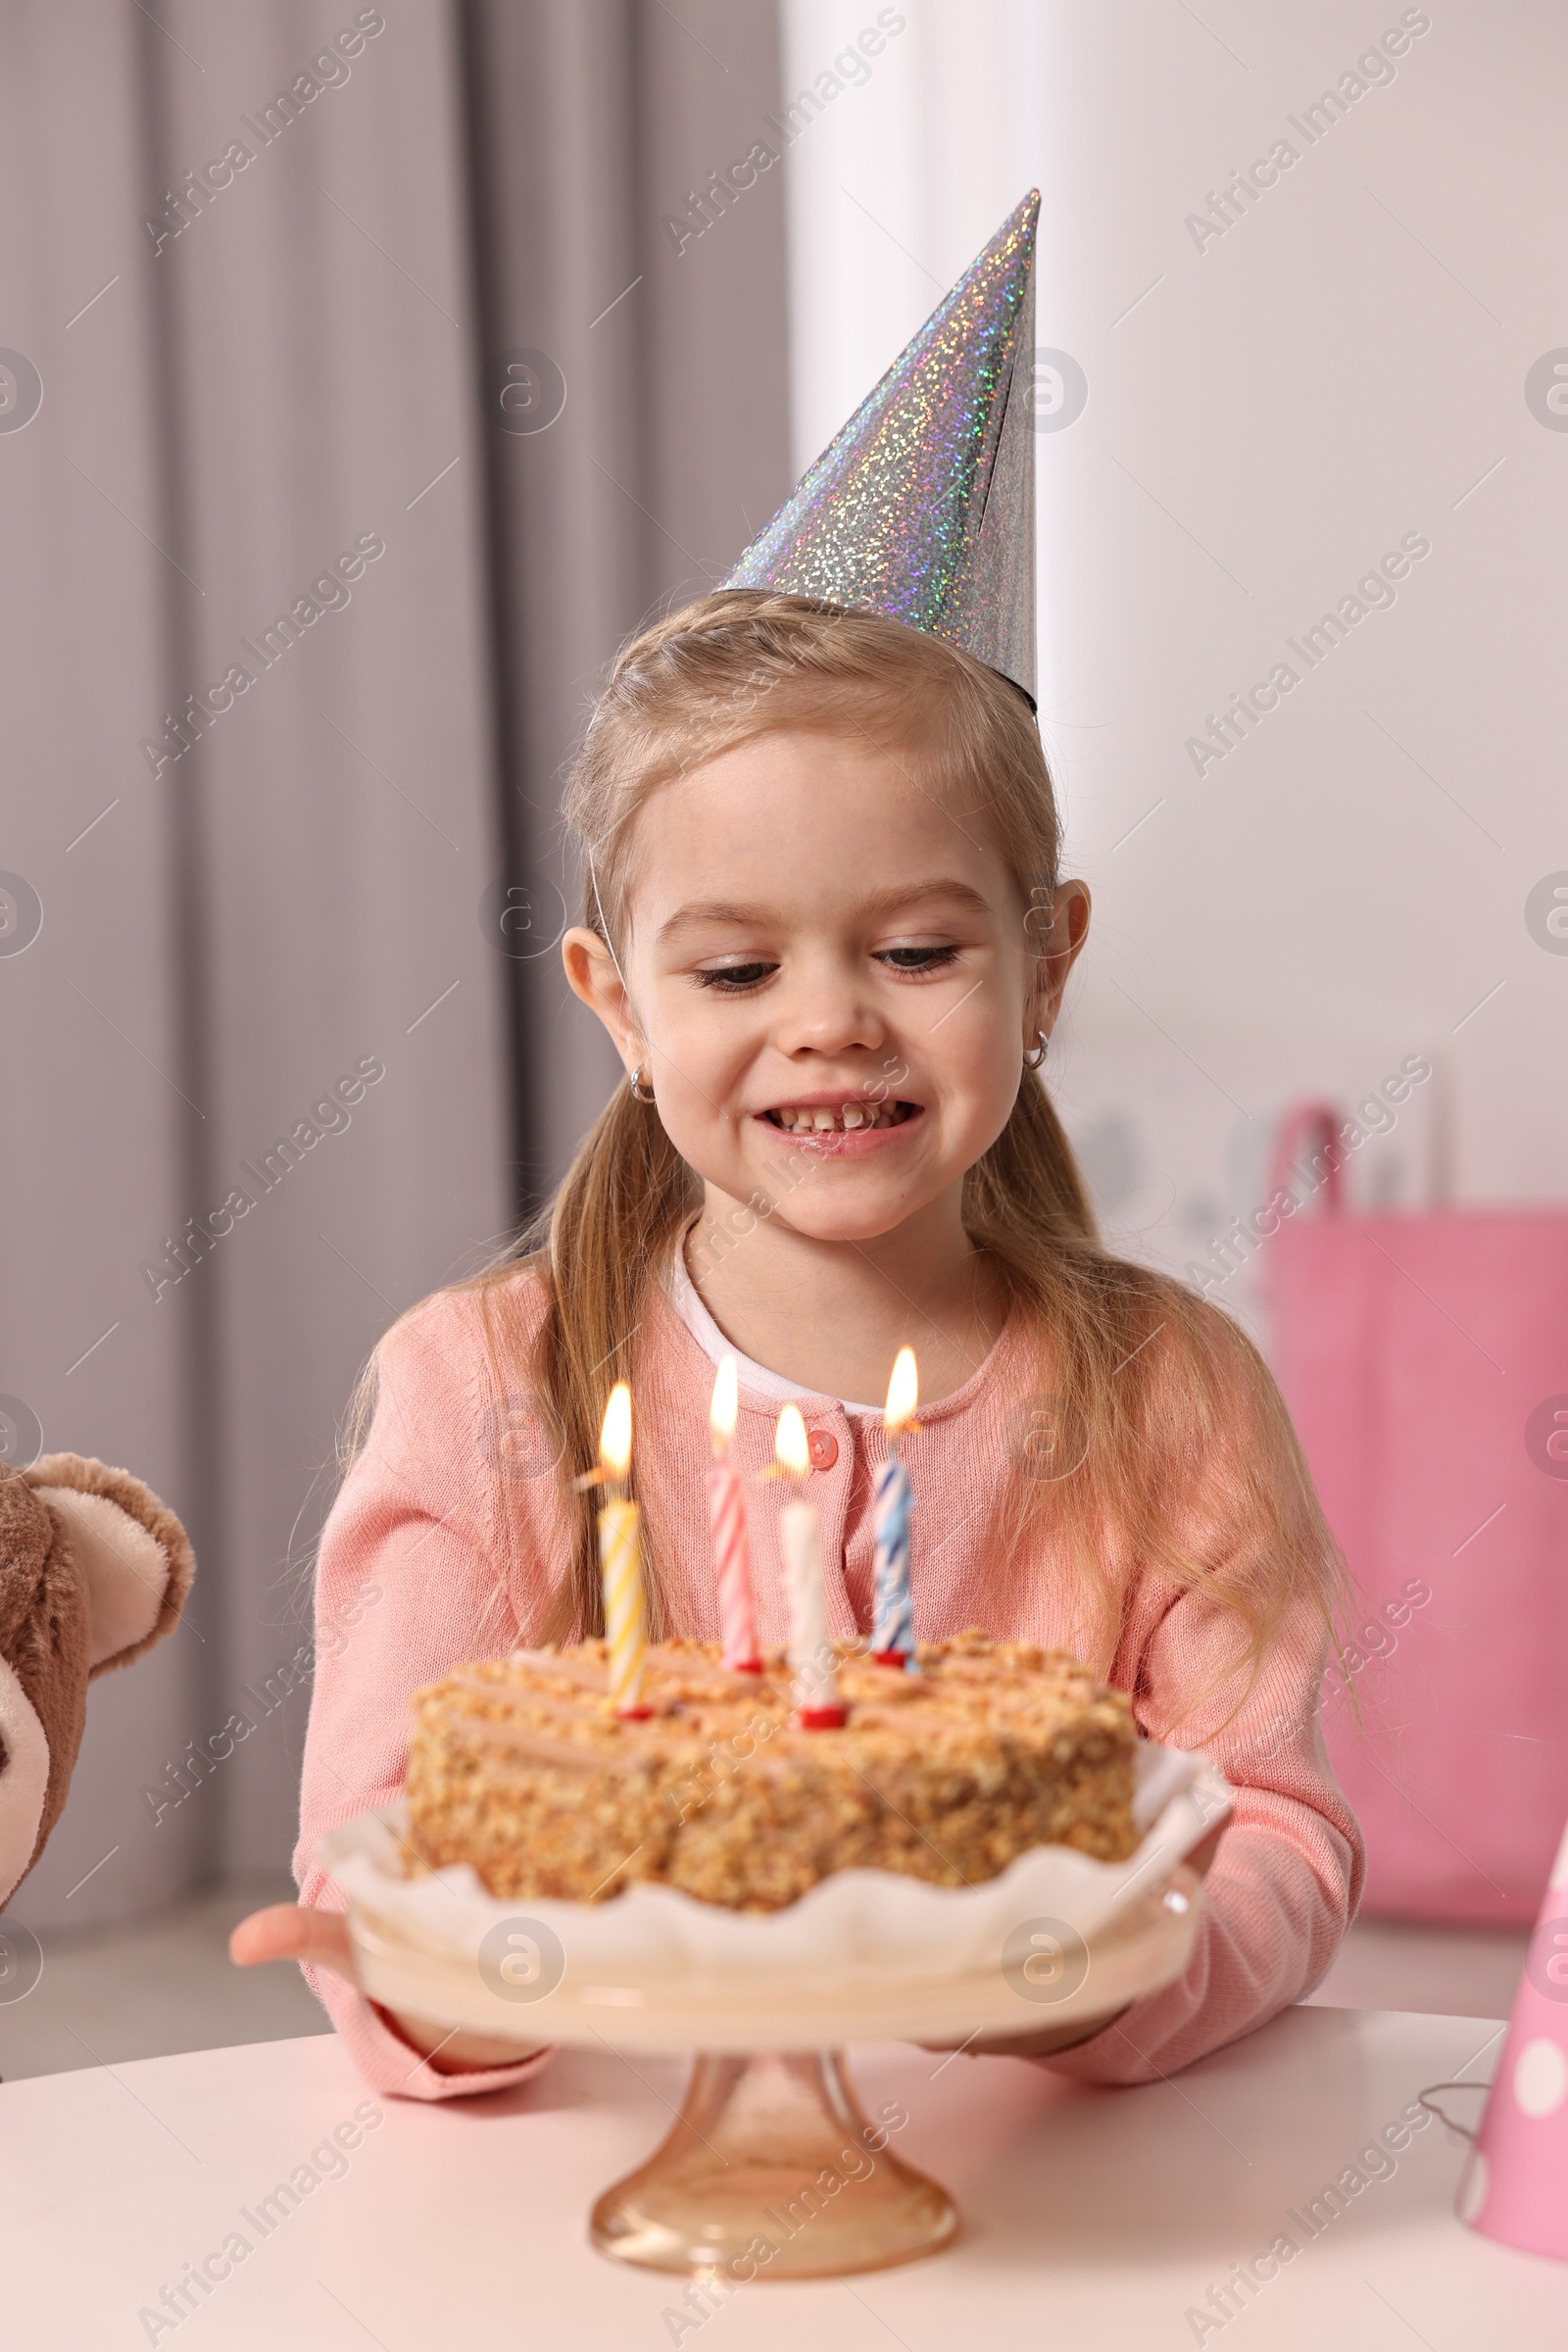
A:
[1335,371]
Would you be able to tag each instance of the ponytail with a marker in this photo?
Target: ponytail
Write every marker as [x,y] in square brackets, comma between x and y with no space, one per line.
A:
[617,1213]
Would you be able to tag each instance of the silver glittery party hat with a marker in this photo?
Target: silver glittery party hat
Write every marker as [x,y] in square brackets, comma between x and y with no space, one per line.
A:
[923,507]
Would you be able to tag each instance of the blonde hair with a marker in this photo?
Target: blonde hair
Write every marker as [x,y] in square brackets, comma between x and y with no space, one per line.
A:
[1151,1375]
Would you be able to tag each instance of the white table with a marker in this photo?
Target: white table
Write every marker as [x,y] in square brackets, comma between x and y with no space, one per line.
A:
[1094,2220]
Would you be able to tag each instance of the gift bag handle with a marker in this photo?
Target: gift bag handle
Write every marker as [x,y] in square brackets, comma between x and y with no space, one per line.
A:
[1314,1127]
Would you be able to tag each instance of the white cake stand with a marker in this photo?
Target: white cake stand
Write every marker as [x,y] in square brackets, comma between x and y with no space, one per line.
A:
[773,2170]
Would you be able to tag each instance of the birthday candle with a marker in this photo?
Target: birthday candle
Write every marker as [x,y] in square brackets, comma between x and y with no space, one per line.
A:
[817,1681]
[893,1638]
[737,1606]
[620,1561]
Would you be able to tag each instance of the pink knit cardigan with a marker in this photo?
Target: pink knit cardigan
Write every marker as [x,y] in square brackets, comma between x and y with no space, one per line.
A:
[449,1543]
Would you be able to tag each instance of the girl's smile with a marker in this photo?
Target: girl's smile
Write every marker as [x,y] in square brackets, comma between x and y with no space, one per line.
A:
[842,1124]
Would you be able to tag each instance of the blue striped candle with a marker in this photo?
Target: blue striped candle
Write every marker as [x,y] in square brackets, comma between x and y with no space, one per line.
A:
[892,1631]
[893,1639]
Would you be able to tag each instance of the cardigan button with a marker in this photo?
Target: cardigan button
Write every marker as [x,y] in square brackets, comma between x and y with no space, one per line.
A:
[823,1448]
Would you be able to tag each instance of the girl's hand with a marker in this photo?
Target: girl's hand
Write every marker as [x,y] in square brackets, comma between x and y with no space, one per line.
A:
[294,1931]
[1063,2038]
[302,1932]
[1034,2045]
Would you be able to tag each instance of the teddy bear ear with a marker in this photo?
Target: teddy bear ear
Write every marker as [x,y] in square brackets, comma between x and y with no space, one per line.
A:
[134,1555]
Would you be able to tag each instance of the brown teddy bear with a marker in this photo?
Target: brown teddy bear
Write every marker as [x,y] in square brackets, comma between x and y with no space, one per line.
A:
[93,1570]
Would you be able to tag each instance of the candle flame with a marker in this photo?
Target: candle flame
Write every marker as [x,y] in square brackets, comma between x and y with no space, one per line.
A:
[789,1443]
[904,1391]
[615,1437]
[724,1410]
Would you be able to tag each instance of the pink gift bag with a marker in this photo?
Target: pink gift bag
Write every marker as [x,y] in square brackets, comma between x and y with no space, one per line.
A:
[1425,1362]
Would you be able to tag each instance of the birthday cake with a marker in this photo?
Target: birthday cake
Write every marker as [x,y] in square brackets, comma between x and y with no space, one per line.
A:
[521,1768]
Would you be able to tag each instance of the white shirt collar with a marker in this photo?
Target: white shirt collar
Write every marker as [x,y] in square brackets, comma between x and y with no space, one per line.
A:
[686,1299]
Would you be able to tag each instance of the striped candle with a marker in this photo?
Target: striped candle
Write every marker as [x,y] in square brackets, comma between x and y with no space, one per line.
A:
[737,1608]
[893,1638]
[620,1561]
[893,1634]
[726,1508]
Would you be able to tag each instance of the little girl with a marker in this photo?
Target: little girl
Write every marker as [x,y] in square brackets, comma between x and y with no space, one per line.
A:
[825,929]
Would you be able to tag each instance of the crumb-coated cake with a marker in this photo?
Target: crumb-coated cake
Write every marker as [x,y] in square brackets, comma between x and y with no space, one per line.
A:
[521,1768]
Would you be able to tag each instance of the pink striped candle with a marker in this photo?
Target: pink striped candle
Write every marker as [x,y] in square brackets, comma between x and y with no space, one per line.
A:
[737,1605]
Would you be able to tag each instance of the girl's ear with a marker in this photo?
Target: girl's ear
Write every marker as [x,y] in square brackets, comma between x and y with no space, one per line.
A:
[591,974]
[1069,928]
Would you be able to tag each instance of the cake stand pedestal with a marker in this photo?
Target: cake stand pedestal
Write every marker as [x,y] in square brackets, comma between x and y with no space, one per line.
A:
[773,2170]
